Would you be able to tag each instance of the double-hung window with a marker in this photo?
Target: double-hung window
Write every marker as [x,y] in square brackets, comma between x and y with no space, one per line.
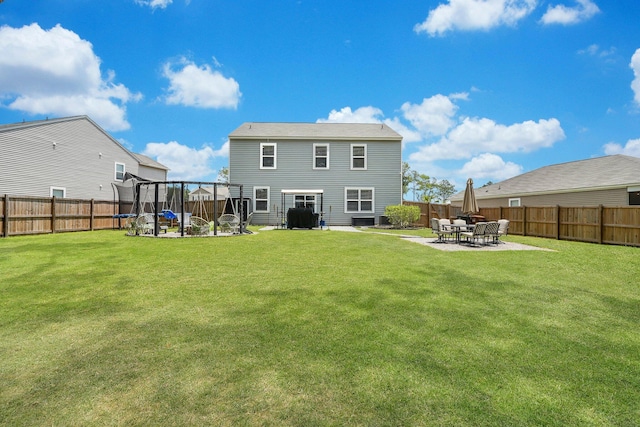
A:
[321,156]
[305,201]
[268,155]
[119,172]
[358,156]
[358,199]
[261,199]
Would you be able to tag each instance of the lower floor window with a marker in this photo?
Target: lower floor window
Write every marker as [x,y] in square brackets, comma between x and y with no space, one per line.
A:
[305,201]
[58,192]
[359,199]
[261,199]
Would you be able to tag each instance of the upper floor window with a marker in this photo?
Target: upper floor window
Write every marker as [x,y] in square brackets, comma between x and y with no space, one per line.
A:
[358,156]
[514,203]
[268,153]
[120,171]
[321,156]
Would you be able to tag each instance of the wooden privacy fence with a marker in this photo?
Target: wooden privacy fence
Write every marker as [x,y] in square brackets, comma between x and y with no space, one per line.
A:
[22,215]
[618,225]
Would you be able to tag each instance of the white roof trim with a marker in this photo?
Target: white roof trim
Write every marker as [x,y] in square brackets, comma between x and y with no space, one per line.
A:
[302,191]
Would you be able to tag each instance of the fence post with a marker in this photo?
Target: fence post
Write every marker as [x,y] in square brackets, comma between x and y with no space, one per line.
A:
[92,213]
[524,220]
[5,224]
[557,222]
[53,214]
[601,221]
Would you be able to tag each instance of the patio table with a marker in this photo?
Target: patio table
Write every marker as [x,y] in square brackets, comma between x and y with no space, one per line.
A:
[457,228]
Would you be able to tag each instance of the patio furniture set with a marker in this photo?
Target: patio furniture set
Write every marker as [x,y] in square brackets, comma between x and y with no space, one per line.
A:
[458,231]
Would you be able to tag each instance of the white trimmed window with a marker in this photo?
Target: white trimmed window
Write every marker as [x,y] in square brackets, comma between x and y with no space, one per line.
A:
[358,199]
[514,203]
[358,156]
[261,199]
[119,176]
[268,154]
[305,201]
[57,192]
[321,156]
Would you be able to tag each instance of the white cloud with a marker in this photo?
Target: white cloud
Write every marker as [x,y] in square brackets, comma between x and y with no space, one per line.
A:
[491,166]
[153,4]
[185,163]
[474,15]
[631,148]
[635,84]
[433,117]
[202,87]
[564,15]
[479,135]
[361,115]
[57,73]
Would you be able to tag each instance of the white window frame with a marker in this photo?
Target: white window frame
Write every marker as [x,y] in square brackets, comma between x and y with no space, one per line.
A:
[124,171]
[275,155]
[515,203]
[359,199]
[315,156]
[53,189]
[307,199]
[255,199]
[354,157]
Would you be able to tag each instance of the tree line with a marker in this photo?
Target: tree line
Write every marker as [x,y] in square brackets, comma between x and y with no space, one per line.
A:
[424,188]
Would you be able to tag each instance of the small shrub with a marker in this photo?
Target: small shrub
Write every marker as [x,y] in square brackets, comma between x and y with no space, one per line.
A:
[402,216]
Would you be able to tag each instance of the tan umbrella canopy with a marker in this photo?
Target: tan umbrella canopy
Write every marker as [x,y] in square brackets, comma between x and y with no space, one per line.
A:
[469,203]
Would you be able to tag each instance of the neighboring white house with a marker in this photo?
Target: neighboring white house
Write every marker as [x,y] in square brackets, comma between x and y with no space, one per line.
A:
[206,193]
[609,181]
[69,157]
[344,172]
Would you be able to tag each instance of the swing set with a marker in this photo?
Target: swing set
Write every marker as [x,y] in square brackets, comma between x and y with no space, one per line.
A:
[155,205]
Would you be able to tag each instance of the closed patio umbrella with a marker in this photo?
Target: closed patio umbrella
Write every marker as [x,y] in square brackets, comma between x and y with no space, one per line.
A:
[469,203]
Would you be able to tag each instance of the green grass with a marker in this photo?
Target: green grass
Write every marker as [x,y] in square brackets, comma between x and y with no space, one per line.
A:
[309,328]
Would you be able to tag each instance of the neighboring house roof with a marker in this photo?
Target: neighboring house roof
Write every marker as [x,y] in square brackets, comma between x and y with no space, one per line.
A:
[316,131]
[140,158]
[600,173]
[222,191]
[149,162]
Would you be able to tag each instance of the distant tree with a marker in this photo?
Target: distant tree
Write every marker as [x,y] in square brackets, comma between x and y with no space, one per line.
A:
[487,184]
[406,177]
[223,174]
[445,190]
[427,187]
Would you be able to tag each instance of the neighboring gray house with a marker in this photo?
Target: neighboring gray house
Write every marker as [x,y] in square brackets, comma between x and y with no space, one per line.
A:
[353,170]
[70,157]
[609,181]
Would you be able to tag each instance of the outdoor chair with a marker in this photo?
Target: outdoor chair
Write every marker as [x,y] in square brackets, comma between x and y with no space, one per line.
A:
[461,223]
[439,231]
[199,226]
[491,232]
[229,223]
[503,229]
[476,234]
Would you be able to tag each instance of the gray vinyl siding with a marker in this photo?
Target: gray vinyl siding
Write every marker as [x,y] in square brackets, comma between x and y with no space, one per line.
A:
[295,171]
[610,197]
[82,161]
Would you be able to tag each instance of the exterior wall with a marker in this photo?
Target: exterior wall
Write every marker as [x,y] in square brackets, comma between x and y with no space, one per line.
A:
[612,197]
[72,154]
[295,171]
[151,173]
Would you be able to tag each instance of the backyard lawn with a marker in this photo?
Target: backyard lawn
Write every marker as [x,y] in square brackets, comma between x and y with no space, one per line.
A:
[315,328]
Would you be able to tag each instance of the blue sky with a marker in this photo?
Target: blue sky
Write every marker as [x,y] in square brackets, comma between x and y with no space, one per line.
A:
[486,89]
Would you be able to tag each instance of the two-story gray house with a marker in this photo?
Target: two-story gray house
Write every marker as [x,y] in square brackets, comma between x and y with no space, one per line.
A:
[344,172]
[69,157]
